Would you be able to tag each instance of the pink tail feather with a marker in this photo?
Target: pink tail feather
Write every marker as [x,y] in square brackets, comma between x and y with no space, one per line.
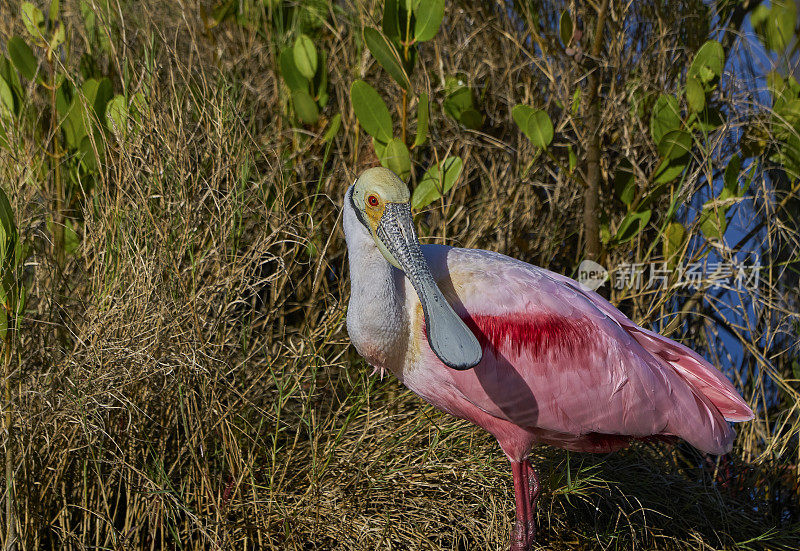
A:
[696,371]
[692,367]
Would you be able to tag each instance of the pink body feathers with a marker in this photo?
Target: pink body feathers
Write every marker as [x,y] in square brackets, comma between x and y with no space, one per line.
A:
[562,366]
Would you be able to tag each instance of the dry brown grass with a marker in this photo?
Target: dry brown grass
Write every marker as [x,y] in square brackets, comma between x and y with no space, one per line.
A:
[186,381]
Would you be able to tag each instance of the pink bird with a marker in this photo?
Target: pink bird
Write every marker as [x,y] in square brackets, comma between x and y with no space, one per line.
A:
[520,351]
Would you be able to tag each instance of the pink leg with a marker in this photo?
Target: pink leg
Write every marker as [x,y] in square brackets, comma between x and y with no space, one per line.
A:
[533,488]
[520,538]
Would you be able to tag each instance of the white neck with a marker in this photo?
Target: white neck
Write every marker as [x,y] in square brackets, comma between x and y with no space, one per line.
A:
[376,318]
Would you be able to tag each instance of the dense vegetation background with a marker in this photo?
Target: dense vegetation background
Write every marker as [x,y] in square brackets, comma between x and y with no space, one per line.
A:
[176,369]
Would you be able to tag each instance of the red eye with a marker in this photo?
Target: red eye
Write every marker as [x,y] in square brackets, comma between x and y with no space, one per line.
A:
[372,201]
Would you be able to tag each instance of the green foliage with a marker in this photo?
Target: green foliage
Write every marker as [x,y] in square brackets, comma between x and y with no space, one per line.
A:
[535,124]
[304,55]
[675,144]
[396,158]
[775,25]
[712,219]
[396,47]
[437,181]
[634,223]
[459,103]
[428,14]
[422,120]
[675,238]
[13,252]
[404,26]
[625,182]
[779,141]
[86,111]
[386,54]
[33,19]
[565,28]
[695,95]
[708,63]
[23,58]
[305,107]
[7,108]
[371,111]
[665,117]
[305,73]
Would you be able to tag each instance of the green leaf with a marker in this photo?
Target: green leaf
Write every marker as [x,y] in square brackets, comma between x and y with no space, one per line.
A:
[675,144]
[471,119]
[73,124]
[731,176]
[72,240]
[458,101]
[712,221]
[291,76]
[380,147]
[386,54]
[665,117]
[695,95]
[19,308]
[429,16]
[3,323]
[633,223]
[669,169]
[371,111]
[708,63]
[780,24]
[117,115]
[565,28]
[625,182]
[305,107]
[534,123]
[6,100]
[436,182]
[674,240]
[708,120]
[33,19]
[7,216]
[58,37]
[11,76]
[53,13]
[22,251]
[22,57]
[396,158]
[333,128]
[422,120]
[90,158]
[305,56]
[576,102]
[573,159]
[97,94]
[321,80]
[390,23]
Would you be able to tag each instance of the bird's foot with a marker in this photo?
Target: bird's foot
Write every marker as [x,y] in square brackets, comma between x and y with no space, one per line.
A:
[522,536]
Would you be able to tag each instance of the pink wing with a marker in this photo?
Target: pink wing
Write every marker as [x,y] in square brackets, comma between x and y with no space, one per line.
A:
[564,361]
[688,363]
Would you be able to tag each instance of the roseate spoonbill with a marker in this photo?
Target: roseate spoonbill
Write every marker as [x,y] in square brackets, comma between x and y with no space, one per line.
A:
[523,352]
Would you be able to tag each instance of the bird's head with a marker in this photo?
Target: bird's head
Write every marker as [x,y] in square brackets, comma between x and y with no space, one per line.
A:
[381,202]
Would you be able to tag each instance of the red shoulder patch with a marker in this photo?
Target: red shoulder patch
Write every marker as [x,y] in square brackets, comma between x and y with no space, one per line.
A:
[535,334]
